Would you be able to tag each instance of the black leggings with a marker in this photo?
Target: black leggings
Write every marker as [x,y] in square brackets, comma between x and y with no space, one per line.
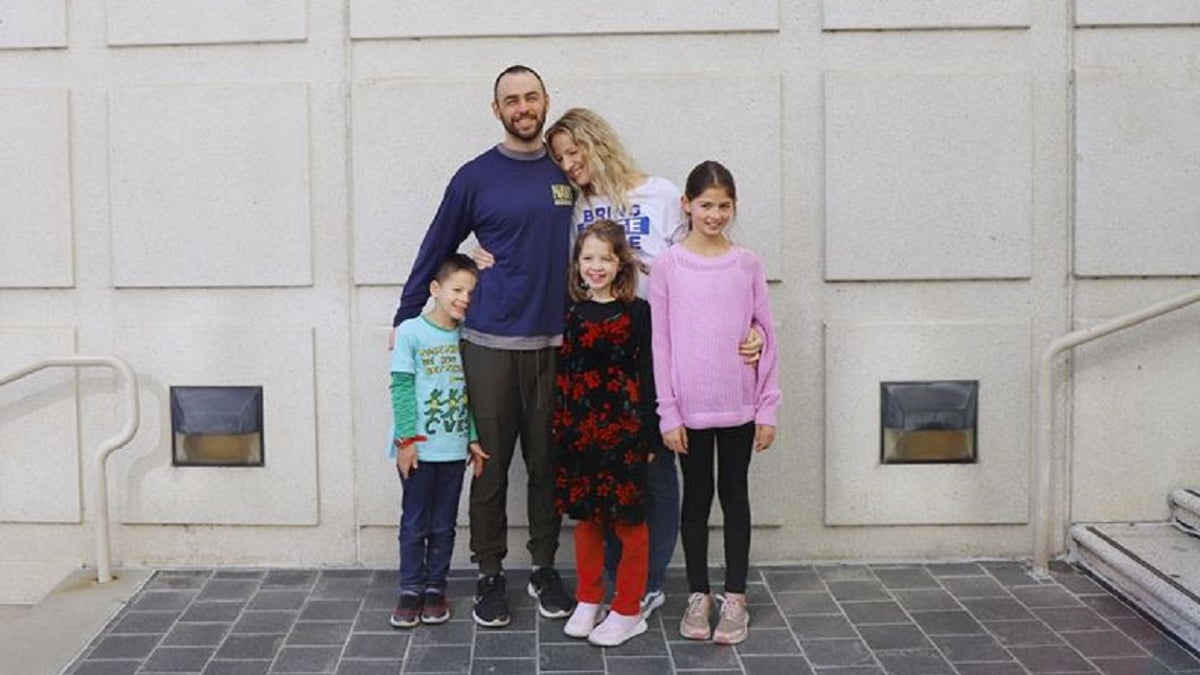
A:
[733,447]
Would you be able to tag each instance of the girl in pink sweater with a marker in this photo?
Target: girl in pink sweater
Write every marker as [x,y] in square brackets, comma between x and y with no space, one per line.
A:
[704,291]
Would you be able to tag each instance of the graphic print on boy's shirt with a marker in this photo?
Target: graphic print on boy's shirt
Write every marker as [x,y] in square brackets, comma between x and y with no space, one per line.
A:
[431,354]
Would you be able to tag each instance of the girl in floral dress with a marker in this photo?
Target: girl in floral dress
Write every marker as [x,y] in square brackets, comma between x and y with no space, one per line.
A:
[606,429]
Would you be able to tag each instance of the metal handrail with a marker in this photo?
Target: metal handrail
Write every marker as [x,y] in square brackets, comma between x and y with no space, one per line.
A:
[1045,414]
[100,459]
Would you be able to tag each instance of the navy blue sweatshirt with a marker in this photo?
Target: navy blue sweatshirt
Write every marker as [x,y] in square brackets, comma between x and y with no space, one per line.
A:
[519,207]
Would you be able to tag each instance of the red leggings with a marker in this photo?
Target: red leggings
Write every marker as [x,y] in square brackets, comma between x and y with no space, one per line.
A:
[631,571]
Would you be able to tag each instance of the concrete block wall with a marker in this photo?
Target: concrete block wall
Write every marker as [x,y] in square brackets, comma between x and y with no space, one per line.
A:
[229,193]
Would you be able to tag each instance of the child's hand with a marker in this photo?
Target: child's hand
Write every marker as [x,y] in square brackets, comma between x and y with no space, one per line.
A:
[764,436]
[406,457]
[676,440]
[476,459]
[482,257]
[751,348]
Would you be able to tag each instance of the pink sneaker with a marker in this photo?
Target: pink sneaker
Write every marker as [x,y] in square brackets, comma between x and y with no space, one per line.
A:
[695,624]
[734,625]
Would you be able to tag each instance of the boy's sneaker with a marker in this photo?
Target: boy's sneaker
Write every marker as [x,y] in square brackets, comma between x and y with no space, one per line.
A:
[491,607]
[546,587]
[435,609]
[695,624]
[734,625]
[408,611]
[652,601]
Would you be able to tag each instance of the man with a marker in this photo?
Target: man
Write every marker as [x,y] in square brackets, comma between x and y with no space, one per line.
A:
[518,205]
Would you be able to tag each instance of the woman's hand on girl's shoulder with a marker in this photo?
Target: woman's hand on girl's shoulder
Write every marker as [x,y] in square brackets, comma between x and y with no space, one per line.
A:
[764,436]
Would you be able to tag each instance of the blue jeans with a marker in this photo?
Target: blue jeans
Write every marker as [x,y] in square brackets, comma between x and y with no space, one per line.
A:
[428,510]
[662,519]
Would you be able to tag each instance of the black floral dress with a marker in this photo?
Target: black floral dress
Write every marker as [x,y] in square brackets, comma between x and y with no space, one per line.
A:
[605,424]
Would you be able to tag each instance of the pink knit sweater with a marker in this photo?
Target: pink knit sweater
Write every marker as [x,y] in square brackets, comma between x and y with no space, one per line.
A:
[701,310]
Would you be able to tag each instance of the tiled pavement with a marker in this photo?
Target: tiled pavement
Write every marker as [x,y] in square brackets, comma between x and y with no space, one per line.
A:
[987,618]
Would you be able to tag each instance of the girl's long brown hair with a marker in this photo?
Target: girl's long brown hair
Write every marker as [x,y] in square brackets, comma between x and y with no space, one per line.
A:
[624,286]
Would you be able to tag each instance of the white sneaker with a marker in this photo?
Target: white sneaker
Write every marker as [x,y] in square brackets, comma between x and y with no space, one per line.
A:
[616,629]
[652,601]
[583,620]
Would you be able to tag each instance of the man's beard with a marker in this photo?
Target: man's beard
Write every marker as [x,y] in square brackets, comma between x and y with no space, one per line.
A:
[511,128]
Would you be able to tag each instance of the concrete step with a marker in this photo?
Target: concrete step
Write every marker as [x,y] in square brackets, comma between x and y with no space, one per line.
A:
[1185,509]
[44,637]
[1155,565]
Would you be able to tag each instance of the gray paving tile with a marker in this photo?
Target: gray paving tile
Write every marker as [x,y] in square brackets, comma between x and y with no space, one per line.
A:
[239,574]
[804,579]
[1102,643]
[906,578]
[702,656]
[250,647]
[1022,633]
[837,652]
[564,657]
[875,612]
[974,587]
[955,569]
[144,622]
[769,642]
[337,588]
[1072,618]
[506,645]
[163,600]
[268,598]
[290,579]
[951,622]
[850,670]
[992,668]
[177,660]
[914,662]
[970,648]
[845,572]
[925,599]
[1012,574]
[453,633]
[274,621]
[1045,596]
[846,591]
[1052,659]
[815,626]
[627,665]
[381,646]
[239,667]
[496,667]
[228,589]
[125,647]
[313,633]
[775,665]
[1175,657]
[1108,606]
[196,635]
[806,602]
[649,644]
[307,660]
[213,612]
[1137,628]
[761,616]
[369,667]
[996,609]
[1131,665]
[1079,584]
[895,636]
[124,667]
[330,610]
[177,581]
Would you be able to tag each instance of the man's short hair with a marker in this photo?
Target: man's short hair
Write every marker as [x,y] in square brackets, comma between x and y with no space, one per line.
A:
[514,70]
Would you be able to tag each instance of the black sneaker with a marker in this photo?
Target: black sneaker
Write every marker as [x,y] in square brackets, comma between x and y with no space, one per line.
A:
[491,607]
[408,611]
[546,587]
[435,609]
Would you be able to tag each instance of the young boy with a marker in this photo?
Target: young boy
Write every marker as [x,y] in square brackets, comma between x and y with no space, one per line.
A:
[434,440]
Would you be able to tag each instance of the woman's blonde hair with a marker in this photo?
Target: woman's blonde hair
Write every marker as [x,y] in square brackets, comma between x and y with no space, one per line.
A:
[624,285]
[612,169]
